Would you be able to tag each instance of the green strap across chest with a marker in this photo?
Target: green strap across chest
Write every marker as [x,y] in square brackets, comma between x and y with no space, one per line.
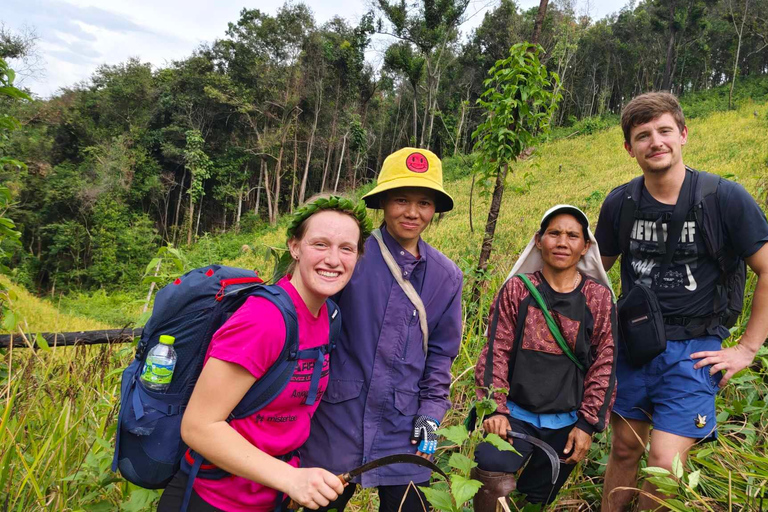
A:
[550,321]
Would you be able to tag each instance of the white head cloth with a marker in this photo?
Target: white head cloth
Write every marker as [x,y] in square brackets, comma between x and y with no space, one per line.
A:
[590,264]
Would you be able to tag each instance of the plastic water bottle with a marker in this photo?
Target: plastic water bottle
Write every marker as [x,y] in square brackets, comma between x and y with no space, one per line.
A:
[158,368]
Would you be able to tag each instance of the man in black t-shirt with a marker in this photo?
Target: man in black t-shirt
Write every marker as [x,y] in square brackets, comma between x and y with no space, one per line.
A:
[675,391]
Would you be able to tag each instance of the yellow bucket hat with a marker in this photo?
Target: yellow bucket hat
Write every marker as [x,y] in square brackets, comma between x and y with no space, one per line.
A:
[411,167]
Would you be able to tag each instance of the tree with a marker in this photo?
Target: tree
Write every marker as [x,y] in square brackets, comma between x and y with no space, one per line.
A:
[518,104]
[8,232]
[540,15]
[199,166]
[8,124]
[430,26]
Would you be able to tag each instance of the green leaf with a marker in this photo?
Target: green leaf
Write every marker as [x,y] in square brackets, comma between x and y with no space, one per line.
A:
[102,506]
[664,484]
[10,321]
[152,265]
[438,498]
[140,500]
[464,488]
[14,93]
[485,407]
[677,466]
[656,471]
[456,434]
[499,443]
[693,479]
[461,462]
[41,342]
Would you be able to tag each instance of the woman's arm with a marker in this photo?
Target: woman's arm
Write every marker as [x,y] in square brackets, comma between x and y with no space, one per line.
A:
[600,379]
[219,389]
[507,301]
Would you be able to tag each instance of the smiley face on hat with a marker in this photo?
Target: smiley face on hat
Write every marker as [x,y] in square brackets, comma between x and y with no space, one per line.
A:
[410,167]
[417,162]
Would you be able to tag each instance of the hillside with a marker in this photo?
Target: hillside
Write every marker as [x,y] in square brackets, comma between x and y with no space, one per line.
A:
[62,420]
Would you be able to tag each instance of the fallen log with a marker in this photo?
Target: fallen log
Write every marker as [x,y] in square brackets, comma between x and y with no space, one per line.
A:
[66,339]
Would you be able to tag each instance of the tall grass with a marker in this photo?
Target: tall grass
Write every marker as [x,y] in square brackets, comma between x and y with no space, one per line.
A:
[57,407]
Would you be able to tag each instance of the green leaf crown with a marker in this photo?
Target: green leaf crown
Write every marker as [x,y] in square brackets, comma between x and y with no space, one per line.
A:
[343,204]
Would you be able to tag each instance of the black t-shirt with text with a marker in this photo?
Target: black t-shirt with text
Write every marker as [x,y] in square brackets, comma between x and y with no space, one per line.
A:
[688,287]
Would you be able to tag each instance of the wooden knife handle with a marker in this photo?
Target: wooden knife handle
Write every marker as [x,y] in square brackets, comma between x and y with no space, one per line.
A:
[294,505]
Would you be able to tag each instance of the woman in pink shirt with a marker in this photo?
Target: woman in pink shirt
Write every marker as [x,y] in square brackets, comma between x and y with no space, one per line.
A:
[325,243]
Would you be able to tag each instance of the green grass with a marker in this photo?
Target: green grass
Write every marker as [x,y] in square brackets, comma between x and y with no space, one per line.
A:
[57,407]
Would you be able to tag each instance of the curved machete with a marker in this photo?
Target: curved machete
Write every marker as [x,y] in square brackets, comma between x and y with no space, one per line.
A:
[399,458]
[554,460]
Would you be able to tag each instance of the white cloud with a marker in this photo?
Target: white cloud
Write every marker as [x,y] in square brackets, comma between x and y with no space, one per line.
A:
[76,36]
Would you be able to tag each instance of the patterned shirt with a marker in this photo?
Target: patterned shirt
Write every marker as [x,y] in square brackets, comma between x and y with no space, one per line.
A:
[528,362]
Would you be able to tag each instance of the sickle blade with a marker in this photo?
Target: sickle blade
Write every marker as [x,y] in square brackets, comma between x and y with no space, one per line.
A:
[554,460]
[400,458]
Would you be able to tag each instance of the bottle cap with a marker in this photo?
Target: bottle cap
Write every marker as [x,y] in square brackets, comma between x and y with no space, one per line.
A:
[166,340]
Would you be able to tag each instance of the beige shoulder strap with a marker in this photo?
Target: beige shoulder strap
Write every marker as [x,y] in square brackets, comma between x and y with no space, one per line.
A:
[407,287]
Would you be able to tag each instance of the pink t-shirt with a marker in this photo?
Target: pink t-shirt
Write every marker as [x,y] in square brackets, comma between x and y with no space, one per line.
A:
[253,338]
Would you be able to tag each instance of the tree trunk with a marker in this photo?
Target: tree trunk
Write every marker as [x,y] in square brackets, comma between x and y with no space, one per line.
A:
[294,171]
[397,120]
[191,216]
[415,119]
[318,105]
[540,15]
[461,123]
[239,207]
[258,189]
[381,141]
[490,227]
[738,49]
[332,140]
[341,161]
[268,191]
[426,112]
[666,83]
[66,339]
[200,210]
[325,168]
[433,108]
[151,288]
[178,208]
[278,170]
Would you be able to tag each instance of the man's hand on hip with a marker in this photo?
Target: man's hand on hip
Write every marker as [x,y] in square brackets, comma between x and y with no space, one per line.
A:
[731,359]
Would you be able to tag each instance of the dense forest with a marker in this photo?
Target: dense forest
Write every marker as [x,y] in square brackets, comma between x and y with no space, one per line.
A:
[281,107]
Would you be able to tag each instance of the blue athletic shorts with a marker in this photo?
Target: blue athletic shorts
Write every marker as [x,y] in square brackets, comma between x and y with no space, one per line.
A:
[668,392]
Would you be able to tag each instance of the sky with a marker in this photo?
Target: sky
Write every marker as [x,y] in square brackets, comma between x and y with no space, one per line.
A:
[76,36]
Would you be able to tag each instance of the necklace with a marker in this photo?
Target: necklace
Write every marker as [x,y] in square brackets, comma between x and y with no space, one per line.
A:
[577,280]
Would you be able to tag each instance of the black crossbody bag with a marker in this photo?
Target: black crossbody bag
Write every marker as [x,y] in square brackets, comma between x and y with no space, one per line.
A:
[641,323]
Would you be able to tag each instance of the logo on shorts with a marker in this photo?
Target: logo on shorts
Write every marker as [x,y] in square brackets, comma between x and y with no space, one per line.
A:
[701,421]
[417,162]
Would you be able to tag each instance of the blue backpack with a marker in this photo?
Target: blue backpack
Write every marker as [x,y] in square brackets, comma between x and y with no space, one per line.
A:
[148,444]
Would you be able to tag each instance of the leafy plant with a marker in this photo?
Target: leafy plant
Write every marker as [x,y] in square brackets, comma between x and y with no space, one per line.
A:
[519,101]
[462,486]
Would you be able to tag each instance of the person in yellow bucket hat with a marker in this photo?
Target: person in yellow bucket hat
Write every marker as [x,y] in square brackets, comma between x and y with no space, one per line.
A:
[411,167]
[401,329]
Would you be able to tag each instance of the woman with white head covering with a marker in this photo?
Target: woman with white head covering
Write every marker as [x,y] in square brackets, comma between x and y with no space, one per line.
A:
[559,391]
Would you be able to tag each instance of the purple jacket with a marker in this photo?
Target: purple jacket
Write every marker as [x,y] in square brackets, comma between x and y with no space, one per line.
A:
[380,377]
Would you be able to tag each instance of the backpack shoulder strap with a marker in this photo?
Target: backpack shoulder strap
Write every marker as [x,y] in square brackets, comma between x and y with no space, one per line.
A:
[707,185]
[277,376]
[334,323]
[551,321]
[629,204]
[705,197]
